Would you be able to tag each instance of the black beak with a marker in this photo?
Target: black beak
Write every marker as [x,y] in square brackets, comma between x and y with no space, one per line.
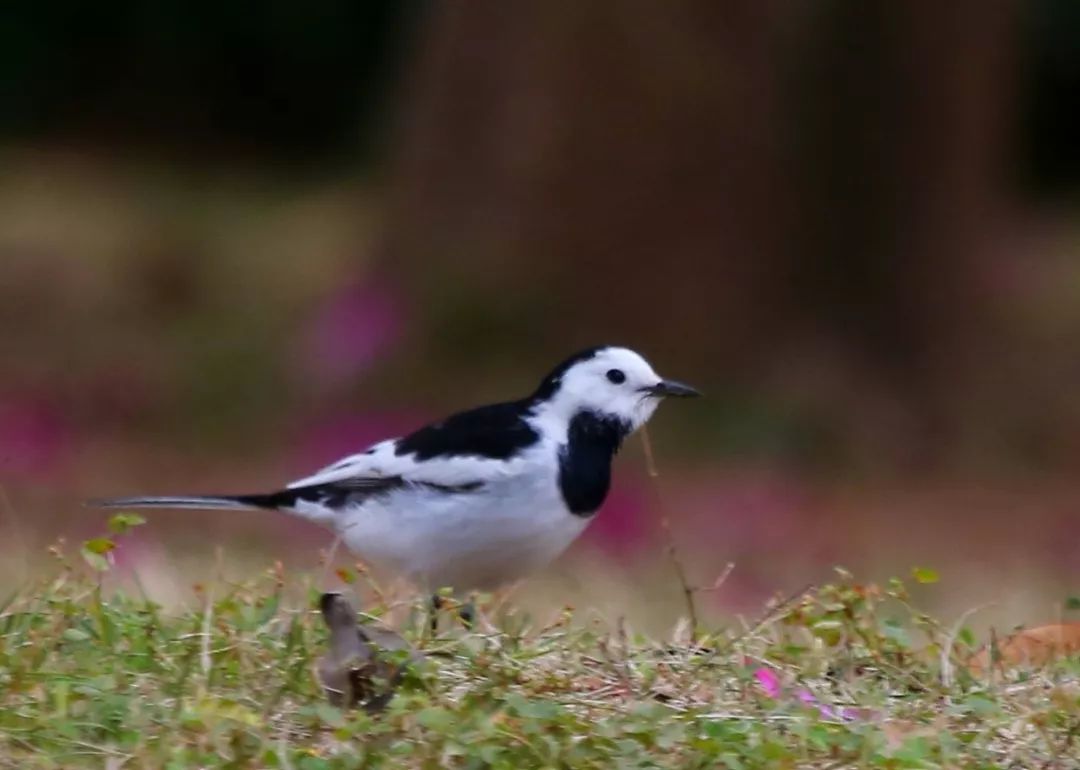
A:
[671,388]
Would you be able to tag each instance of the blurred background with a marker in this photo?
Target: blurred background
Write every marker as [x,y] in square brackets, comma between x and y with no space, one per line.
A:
[240,240]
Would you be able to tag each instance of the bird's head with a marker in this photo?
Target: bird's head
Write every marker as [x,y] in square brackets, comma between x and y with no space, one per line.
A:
[610,381]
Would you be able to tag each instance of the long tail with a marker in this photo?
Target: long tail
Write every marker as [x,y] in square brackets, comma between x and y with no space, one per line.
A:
[274,500]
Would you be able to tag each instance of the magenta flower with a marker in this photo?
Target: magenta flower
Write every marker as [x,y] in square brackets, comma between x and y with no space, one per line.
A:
[625,524]
[33,437]
[350,332]
[768,681]
[770,684]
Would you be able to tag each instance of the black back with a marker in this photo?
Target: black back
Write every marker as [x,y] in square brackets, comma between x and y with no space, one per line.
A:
[497,431]
[500,431]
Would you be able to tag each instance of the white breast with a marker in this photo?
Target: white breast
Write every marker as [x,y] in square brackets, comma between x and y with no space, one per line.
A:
[514,525]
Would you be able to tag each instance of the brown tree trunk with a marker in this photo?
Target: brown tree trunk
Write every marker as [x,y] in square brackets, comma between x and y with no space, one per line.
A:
[732,181]
[595,171]
[903,122]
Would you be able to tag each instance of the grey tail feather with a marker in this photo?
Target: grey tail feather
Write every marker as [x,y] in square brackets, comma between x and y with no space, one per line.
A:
[219,502]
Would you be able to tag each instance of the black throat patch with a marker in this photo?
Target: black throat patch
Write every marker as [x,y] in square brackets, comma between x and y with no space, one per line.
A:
[585,460]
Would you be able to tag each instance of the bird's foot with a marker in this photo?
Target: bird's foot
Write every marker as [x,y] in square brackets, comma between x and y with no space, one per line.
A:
[466,611]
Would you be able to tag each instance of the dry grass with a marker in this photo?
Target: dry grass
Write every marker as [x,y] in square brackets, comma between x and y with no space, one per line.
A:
[845,675]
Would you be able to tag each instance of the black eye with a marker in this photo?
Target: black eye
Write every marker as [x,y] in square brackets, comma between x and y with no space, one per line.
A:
[616,376]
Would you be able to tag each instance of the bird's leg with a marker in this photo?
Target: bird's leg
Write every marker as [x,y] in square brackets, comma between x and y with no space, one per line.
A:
[467,613]
[437,603]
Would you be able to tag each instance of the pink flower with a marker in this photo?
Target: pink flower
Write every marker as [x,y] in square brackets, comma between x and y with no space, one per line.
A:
[33,437]
[350,332]
[625,523]
[769,683]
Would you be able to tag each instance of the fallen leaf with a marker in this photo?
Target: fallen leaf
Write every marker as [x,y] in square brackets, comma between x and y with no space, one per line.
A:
[898,731]
[1031,647]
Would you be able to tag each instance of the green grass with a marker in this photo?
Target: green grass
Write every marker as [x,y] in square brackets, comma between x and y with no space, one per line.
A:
[92,678]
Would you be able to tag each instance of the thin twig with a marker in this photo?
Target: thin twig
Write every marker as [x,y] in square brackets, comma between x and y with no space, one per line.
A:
[665,524]
[205,659]
[778,611]
[204,647]
[328,563]
[950,640]
[720,579]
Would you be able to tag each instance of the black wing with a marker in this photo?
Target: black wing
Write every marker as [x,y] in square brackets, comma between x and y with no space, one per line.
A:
[496,432]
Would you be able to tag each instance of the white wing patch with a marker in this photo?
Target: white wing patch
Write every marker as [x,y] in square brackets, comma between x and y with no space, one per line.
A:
[367,464]
[380,461]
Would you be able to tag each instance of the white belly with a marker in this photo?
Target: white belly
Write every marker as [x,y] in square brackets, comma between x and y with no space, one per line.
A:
[468,540]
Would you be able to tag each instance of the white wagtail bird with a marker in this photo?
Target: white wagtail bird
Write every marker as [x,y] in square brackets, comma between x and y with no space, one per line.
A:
[486,496]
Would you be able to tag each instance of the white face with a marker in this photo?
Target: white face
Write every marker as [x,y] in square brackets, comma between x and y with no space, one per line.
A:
[615,381]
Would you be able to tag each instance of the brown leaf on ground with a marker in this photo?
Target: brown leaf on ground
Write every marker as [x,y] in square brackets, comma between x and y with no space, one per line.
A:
[1031,647]
[898,731]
